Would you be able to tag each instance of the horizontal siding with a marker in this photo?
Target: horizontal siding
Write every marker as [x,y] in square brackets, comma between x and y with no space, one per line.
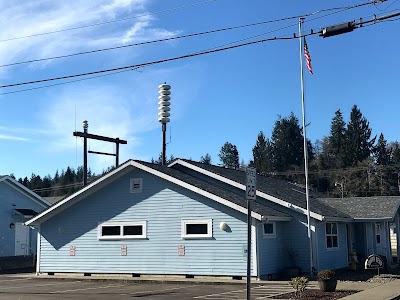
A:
[271,251]
[163,205]
[10,198]
[332,258]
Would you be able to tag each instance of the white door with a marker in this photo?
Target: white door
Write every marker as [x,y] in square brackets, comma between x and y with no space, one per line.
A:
[21,239]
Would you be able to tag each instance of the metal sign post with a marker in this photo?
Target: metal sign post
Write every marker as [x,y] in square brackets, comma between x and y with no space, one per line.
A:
[251,188]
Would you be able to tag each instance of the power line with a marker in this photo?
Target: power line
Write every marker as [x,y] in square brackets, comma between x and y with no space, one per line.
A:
[193,34]
[108,22]
[153,62]
[160,61]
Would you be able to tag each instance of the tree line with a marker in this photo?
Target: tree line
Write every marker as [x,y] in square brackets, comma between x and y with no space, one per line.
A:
[349,161]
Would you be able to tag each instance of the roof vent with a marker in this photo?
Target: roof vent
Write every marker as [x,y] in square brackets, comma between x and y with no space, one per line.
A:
[136,185]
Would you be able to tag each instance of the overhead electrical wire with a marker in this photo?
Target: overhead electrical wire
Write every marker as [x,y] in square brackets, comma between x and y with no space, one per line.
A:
[341,9]
[107,22]
[153,62]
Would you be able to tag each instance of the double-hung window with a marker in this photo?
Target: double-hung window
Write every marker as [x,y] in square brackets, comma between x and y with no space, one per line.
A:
[123,230]
[196,229]
[331,233]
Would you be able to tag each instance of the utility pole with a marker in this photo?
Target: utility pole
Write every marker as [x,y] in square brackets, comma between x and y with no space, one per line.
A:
[86,136]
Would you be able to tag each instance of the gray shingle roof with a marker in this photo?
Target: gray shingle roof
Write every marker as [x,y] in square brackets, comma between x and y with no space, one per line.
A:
[263,210]
[382,207]
[281,189]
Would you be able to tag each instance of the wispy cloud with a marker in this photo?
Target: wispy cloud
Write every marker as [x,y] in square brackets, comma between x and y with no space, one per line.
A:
[13,138]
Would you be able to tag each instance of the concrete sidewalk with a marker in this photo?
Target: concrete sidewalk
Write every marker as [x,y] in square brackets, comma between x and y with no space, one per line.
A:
[381,291]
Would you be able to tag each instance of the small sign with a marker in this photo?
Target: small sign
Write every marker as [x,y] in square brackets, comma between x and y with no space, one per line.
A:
[124,250]
[374,261]
[72,250]
[251,183]
[244,250]
[181,250]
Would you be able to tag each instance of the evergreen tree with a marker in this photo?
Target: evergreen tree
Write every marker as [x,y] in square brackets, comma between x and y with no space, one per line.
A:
[358,145]
[206,159]
[263,154]
[382,152]
[287,141]
[229,156]
[336,140]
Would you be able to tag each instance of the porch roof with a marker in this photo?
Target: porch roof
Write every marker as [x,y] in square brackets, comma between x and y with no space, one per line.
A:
[366,208]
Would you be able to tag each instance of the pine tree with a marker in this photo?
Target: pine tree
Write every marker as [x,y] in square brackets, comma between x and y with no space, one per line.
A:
[229,156]
[382,152]
[287,141]
[358,146]
[206,159]
[262,154]
[336,140]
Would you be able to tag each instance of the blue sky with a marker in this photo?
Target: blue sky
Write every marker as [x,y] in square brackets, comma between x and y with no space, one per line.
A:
[226,96]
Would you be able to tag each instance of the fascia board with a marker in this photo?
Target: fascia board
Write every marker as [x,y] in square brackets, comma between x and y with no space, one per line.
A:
[196,190]
[84,192]
[243,187]
[27,192]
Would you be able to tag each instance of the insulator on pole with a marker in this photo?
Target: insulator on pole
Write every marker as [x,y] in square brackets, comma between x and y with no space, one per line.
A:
[164,103]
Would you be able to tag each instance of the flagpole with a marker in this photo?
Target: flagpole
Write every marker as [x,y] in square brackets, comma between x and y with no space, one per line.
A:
[301,20]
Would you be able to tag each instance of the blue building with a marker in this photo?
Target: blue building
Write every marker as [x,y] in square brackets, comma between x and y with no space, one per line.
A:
[190,219]
[17,205]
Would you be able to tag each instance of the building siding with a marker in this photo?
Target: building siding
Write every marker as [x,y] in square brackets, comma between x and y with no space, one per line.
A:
[10,198]
[163,205]
[271,260]
[332,258]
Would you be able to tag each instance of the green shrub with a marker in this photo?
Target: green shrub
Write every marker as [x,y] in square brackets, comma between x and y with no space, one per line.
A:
[326,274]
[299,284]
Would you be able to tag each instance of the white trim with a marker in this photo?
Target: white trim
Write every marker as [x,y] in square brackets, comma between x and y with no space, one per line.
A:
[121,235]
[243,187]
[38,245]
[332,235]
[93,187]
[208,222]
[254,248]
[269,235]
[31,195]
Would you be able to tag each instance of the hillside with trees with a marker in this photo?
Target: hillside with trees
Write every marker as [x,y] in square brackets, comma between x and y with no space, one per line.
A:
[350,161]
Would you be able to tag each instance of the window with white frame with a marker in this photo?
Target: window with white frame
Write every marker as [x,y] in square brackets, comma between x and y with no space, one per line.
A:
[269,229]
[136,185]
[331,233]
[378,233]
[123,230]
[196,229]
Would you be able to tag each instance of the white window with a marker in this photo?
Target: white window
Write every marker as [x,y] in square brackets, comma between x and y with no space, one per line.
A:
[269,229]
[331,233]
[378,233]
[123,230]
[136,185]
[194,229]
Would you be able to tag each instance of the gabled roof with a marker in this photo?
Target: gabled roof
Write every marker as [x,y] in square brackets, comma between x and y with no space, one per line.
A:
[24,190]
[191,183]
[282,192]
[367,208]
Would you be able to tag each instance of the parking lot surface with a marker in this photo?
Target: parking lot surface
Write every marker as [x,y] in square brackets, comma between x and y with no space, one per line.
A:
[33,288]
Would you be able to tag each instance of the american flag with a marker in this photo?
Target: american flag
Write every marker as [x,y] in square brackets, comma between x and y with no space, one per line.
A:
[307,56]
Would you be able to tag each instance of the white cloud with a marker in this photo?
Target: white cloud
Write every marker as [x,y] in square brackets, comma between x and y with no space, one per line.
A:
[13,138]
